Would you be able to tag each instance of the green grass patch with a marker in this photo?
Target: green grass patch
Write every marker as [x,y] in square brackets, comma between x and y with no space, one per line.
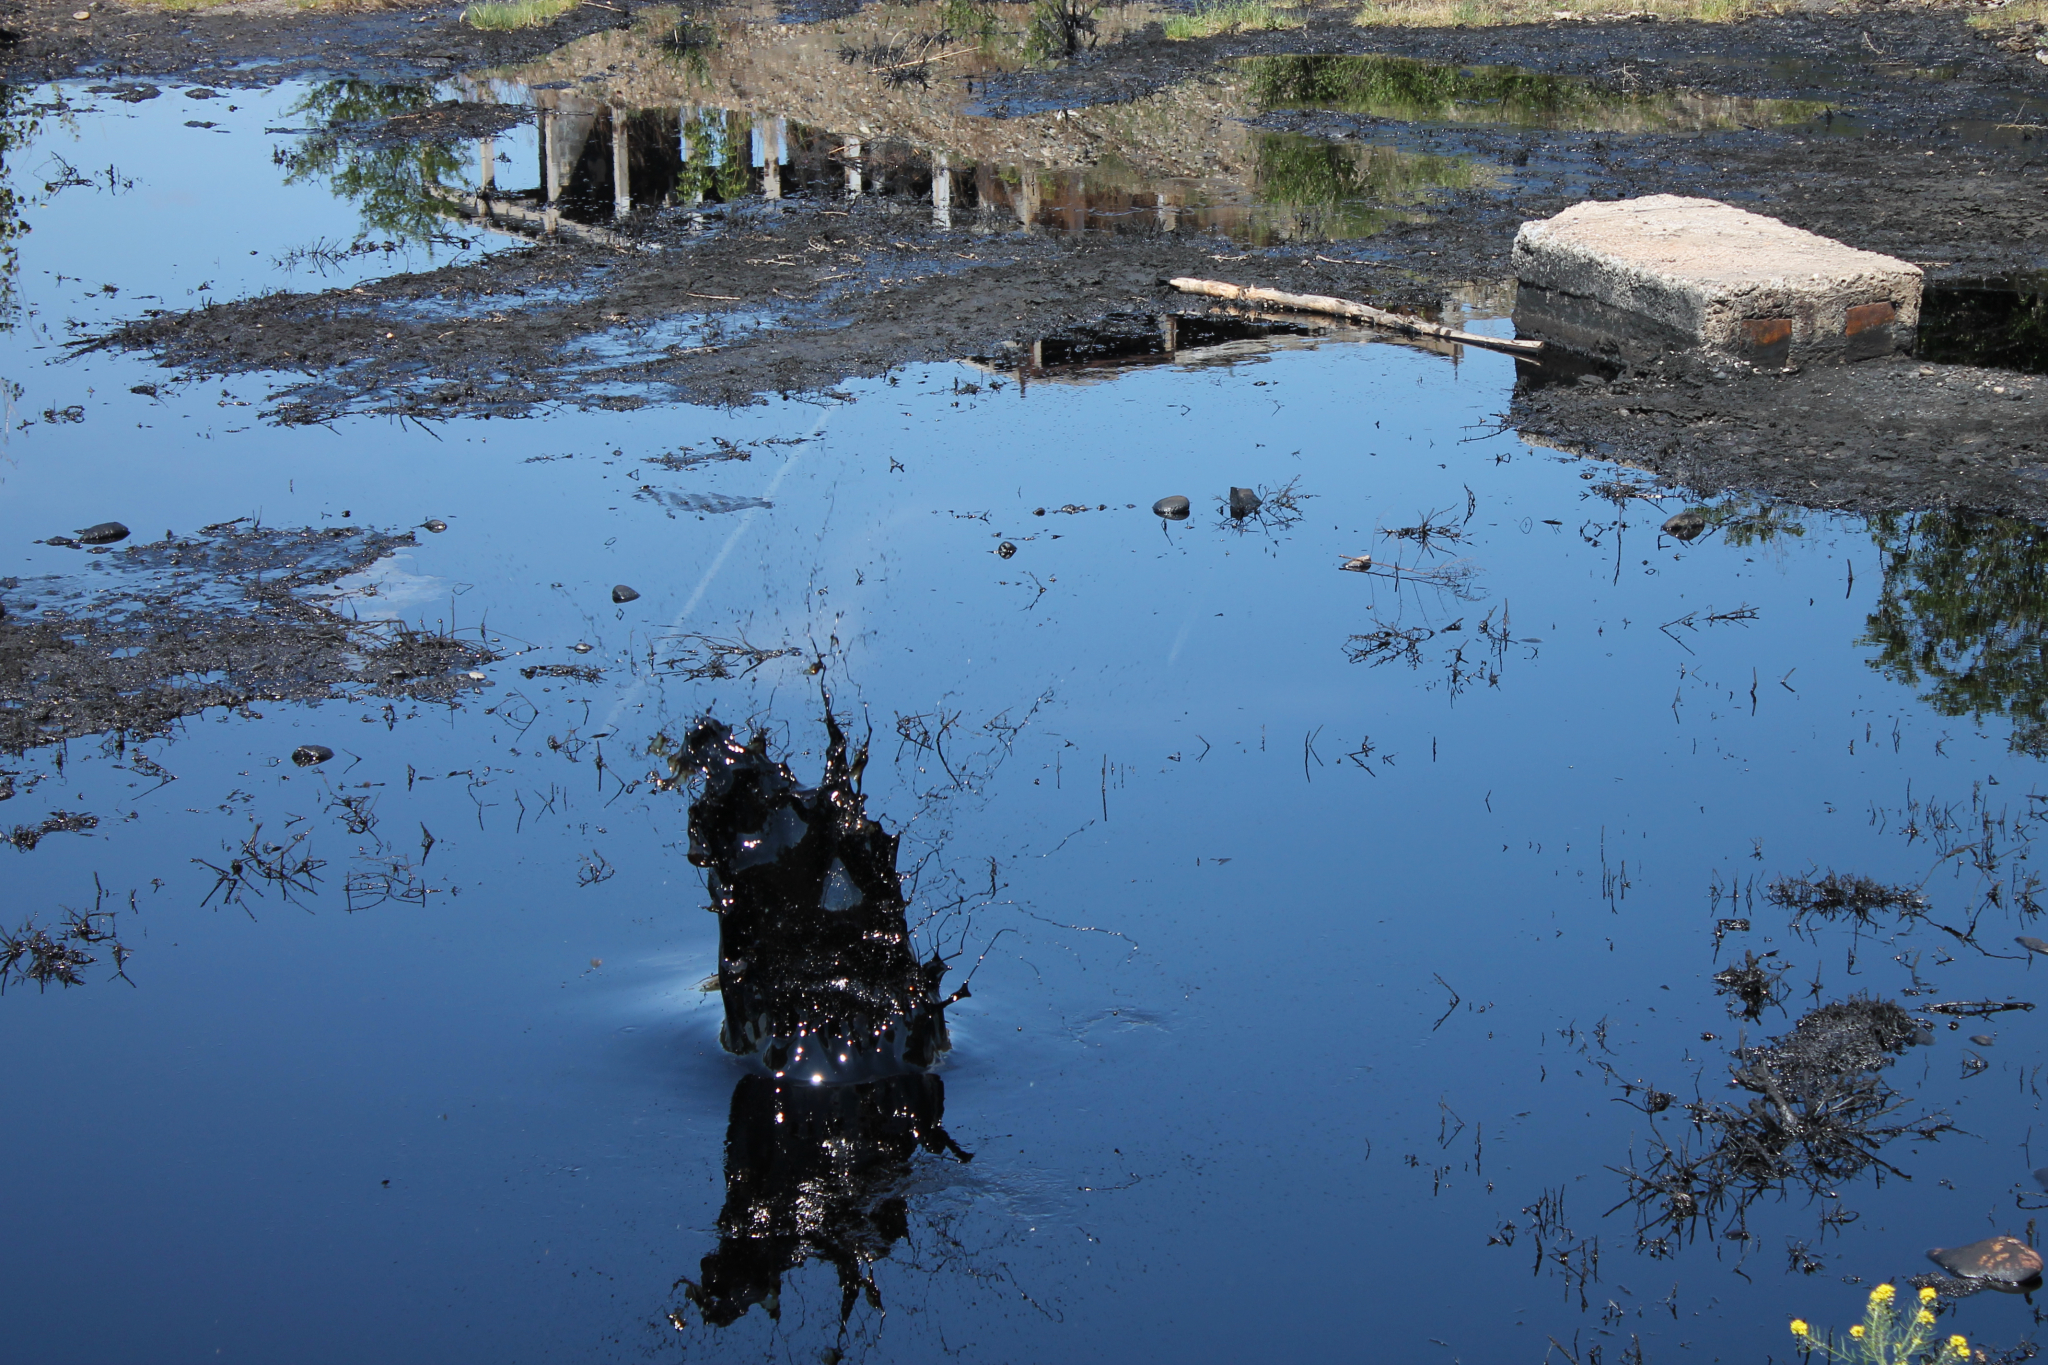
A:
[1229,16]
[506,15]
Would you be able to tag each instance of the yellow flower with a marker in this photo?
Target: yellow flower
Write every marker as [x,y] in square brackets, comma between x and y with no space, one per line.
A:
[1882,1294]
[1958,1343]
[1799,1327]
[1924,1318]
[1927,1294]
[1857,1330]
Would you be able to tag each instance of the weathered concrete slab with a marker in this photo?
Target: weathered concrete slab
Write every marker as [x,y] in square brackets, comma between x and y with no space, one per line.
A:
[1634,275]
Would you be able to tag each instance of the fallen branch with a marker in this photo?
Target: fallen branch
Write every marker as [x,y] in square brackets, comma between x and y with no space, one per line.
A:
[1362,312]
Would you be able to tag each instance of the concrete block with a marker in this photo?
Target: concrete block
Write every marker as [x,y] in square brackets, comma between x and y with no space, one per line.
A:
[1633,276]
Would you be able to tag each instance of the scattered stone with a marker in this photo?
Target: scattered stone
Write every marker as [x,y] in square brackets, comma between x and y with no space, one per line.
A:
[309,755]
[200,92]
[1174,508]
[146,390]
[623,594]
[1243,503]
[1685,525]
[1038,511]
[1005,550]
[106,533]
[1357,564]
[1636,275]
[435,524]
[136,94]
[580,647]
[1983,1039]
[2000,1260]
[2032,944]
[81,14]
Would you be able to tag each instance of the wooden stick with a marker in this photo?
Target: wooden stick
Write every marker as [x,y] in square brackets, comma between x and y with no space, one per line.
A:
[1378,317]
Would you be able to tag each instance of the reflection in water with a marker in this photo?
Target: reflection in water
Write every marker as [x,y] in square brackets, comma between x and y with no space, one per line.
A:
[819,979]
[19,123]
[1410,91]
[1963,616]
[1998,323]
[395,182]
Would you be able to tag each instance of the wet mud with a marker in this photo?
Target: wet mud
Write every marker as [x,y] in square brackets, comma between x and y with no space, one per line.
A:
[148,635]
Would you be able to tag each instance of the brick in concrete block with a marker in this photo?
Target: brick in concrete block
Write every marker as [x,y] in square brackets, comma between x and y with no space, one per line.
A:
[1629,277]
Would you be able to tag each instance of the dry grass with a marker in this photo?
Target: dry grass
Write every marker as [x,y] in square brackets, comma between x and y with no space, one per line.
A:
[1230,16]
[1493,13]
[275,6]
[2012,15]
[504,15]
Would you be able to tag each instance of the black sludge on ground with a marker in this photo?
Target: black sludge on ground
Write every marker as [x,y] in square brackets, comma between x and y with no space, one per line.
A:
[220,619]
[814,958]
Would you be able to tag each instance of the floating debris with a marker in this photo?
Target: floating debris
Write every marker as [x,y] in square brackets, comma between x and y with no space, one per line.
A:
[623,594]
[1840,893]
[1978,1008]
[310,755]
[1753,982]
[1173,508]
[2003,1262]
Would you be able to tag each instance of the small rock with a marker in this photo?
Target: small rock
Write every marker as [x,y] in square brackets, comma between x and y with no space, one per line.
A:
[199,92]
[580,647]
[2000,1260]
[1243,503]
[1685,525]
[106,533]
[1983,1039]
[1174,508]
[621,593]
[81,14]
[2032,944]
[1038,511]
[1005,550]
[146,390]
[307,755]
[435,524]
[1357,564]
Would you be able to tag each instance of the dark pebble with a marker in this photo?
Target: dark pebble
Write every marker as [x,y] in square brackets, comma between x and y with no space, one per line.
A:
[1174,508]
[1243,503]
[1685,525]
[1005,550]
[622,593]
[435,524]
[306,755]
[106,533]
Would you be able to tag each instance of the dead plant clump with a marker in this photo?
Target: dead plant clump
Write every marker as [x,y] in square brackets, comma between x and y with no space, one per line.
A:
[1754,983]
[1843,893]
[1820,1117]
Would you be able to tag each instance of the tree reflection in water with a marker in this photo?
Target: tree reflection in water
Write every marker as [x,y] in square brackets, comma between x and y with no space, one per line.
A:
[394,182]
[1963,616]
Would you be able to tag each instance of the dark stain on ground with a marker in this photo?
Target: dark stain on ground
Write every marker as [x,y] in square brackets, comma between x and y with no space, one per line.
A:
[153,633]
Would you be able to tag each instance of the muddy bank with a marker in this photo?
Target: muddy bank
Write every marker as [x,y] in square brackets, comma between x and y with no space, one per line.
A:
[1018,202]
[239,45]
[143,637]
